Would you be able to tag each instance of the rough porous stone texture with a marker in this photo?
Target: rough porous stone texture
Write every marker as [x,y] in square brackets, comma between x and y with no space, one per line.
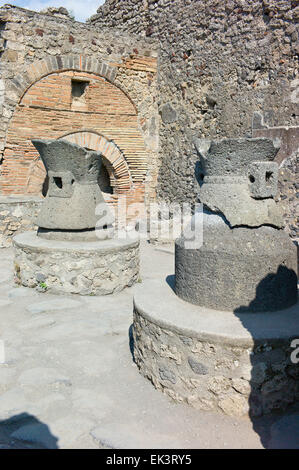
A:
[219,63]
[237,364]
[239,269]
[239,180]
[91,268]
[17,214]
[288,194]
[245,261]
[74,199]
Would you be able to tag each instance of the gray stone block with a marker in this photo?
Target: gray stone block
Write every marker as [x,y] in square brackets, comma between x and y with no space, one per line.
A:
[197,367]
[240,180]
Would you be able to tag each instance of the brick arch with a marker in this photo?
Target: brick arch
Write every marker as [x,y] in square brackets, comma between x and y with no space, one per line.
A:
[117,166]
[114,160]
[36,176]
[108,121]
[55,64]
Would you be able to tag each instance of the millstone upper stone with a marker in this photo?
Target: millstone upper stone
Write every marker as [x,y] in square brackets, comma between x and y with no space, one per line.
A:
[240,180]
[74,192]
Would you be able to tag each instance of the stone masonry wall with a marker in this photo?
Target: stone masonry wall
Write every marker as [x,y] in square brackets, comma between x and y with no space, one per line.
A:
[40,55]
[96,268]
[219,62]
[214,376]
[130,15]
[17,215]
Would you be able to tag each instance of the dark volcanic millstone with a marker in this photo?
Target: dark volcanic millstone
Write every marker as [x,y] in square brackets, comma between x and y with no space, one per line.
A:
[246,263]
[74,204]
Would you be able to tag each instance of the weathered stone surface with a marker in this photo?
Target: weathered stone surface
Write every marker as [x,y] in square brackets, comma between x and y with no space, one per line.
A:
[85,268]
[259,373]
[288,189]
[42,376]
[284,433]
[36,434]
[240,180]
[197,367]
[13,402]
[234,405]
[74,193]
[245,269]
[242,259]
[52,305]
[59,12]
[218,64]
[168,114]
[231,370]
[242,386]
[17,214]
[167,375]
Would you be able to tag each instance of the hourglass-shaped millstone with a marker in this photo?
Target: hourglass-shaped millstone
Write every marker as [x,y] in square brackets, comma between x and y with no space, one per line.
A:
[240,180]
[246,262]
[74,202]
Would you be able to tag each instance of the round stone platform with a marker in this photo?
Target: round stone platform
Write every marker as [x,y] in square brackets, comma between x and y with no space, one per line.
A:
[86,268]
[237,363]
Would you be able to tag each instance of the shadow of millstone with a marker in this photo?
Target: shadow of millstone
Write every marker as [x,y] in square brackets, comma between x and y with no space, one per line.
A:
[26,431]
[285,433]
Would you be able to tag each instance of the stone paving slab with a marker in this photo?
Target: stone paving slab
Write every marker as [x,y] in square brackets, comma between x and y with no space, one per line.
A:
[69,380]
[60,303]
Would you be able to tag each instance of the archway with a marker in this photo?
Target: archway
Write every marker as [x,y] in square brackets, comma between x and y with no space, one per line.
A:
[51,109]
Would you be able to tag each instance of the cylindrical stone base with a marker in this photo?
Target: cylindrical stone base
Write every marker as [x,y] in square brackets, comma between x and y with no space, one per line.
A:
[86,268]
[216,361]
[241,269]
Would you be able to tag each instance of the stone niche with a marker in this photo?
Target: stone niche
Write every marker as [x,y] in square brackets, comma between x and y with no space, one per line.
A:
[74,249]
[218,335]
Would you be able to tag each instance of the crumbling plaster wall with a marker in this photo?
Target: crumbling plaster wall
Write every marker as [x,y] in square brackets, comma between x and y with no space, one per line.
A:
[219,62]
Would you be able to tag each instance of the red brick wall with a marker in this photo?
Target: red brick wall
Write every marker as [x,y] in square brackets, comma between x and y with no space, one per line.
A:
[47,110]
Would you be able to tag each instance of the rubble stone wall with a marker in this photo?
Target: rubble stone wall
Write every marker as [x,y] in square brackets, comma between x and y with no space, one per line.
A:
[17,215]
[219,62]
[215,375]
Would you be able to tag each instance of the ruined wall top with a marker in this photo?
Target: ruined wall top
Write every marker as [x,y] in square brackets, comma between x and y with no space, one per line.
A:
[128,15]
[60,13]
[160,17]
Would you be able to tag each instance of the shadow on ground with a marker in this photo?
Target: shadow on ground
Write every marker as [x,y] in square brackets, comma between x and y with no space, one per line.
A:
[25,431]
[274,409]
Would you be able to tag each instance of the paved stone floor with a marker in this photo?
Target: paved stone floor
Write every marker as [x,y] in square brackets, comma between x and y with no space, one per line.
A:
[69,380]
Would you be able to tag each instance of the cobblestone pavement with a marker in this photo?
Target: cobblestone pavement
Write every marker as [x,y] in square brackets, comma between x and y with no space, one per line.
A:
[69,380]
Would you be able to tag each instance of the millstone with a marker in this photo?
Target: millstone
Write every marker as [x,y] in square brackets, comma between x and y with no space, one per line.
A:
[246,261]
[74,201]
